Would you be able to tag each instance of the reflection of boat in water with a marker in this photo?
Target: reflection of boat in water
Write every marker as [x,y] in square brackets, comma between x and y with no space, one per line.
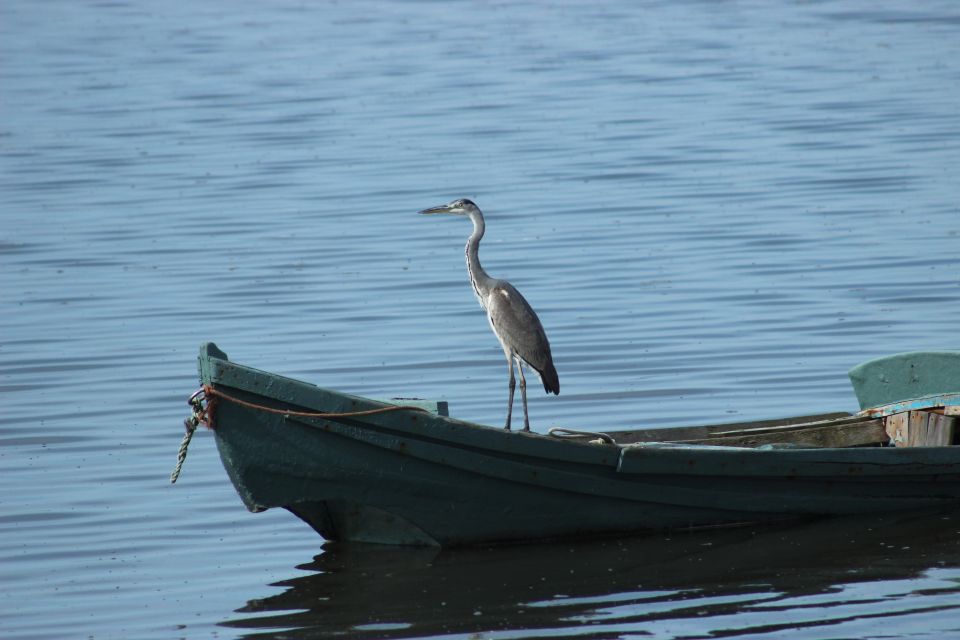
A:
[769,577]
[361,470]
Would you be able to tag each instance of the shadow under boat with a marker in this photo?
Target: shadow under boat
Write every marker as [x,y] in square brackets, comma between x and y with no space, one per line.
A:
[363,590]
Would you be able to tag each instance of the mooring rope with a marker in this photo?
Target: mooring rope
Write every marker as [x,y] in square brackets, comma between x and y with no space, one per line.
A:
[182,453]
[204,400]
[202,412]
[209,391]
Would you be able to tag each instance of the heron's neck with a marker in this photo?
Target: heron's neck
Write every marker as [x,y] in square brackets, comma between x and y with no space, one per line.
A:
[478,277]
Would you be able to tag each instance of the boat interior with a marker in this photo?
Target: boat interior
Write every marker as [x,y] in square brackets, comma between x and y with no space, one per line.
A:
[935,427]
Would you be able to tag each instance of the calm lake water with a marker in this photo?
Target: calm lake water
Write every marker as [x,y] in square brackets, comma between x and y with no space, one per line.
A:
[717,208]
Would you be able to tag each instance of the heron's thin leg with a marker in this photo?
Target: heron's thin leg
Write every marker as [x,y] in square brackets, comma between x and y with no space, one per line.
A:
[523,394]
[513,385]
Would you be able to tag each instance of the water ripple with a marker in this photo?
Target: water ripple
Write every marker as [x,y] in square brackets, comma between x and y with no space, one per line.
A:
[716,211]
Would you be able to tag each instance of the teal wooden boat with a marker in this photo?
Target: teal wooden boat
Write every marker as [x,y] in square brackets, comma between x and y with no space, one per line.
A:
[404,472]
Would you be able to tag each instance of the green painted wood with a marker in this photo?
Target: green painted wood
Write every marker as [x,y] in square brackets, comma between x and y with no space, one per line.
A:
[906,375]
[914,404]
[409,477]
[879,464]
[283,392]
[436,407]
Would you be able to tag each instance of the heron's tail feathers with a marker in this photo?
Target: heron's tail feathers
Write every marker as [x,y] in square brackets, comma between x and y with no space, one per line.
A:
[550,379]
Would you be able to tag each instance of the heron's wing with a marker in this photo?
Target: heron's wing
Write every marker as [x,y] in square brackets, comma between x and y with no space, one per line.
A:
[519,329]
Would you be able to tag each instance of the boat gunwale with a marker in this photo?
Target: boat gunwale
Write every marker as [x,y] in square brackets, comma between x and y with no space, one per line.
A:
[662,456]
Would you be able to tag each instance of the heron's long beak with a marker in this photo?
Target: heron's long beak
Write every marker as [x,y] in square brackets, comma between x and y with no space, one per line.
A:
[443,208]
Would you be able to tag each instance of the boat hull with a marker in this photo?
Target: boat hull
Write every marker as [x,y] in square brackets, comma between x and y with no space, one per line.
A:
[412,477]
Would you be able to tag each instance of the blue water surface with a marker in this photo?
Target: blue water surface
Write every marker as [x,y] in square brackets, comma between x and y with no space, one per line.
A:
[717,209]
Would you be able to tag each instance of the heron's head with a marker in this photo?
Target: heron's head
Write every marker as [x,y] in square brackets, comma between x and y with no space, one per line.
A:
[459,207]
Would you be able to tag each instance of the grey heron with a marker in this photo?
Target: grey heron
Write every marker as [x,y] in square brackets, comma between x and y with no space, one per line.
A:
[511,317]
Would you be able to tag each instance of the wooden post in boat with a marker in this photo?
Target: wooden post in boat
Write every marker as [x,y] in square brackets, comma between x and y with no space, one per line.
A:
[921,429]
[897,427]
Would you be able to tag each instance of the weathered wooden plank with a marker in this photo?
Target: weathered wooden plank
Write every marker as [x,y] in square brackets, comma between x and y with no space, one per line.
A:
[950,428]
[897,427]
[780,428]
[828,435]
[921,429]
[672,434]
[929,429]
[916,428]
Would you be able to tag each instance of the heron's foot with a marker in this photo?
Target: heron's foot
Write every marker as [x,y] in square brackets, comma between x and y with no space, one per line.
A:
[507,426]
[526,428]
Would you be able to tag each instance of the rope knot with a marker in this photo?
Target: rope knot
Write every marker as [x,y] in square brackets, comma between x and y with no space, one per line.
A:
[202,402]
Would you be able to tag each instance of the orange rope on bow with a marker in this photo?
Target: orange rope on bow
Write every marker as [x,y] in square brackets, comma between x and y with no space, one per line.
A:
[212,394]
